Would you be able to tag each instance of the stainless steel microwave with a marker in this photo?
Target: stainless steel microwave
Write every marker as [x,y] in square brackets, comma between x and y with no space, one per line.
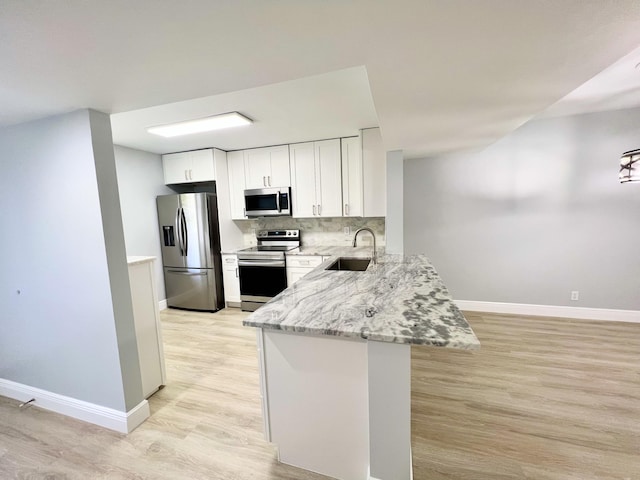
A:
[268,202]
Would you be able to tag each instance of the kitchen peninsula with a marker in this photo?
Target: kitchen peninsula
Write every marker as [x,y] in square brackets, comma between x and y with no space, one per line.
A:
[335,358]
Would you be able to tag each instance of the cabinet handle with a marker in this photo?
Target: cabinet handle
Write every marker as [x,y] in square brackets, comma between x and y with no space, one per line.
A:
[314,209]
[190,176]
[319,209]
[244,211]
[264,181]
[269,179]
[185,175]
[237,272]
[346,209]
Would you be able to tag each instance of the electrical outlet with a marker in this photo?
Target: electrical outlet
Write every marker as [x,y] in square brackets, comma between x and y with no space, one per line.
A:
[575,295]
[347,230]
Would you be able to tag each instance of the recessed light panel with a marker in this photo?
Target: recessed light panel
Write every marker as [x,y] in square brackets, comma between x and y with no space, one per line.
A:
[215,122]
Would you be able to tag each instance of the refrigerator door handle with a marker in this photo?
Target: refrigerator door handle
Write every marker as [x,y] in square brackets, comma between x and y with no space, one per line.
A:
[185,234]
[178,231]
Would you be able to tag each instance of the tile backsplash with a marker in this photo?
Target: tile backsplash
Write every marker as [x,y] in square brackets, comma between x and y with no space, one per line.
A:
[317,231]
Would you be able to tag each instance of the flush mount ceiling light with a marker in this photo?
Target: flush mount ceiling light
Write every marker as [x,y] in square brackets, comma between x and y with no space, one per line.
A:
[630,166]
[215,122]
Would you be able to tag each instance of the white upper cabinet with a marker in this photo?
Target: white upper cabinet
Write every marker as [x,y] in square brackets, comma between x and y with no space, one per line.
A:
[316,184]
[267,167]
[237,185]
[329,178]
[374,170]
[189,167]
[352,181]
[303,180]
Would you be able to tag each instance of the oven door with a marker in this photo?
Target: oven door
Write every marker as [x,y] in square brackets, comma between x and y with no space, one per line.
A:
[267,202]
[260,281]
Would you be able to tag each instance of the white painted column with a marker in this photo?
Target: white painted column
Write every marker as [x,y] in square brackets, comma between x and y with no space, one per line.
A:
[395,202]
[389,382]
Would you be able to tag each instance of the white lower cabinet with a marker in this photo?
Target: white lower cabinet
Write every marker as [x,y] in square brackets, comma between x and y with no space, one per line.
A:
[299,265]
[231,279]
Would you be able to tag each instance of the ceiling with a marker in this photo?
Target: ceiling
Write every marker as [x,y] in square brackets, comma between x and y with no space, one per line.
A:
[442,75]
[330,105]
[615,88]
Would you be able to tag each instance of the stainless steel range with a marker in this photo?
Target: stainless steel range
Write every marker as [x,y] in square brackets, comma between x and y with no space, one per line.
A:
[262,269]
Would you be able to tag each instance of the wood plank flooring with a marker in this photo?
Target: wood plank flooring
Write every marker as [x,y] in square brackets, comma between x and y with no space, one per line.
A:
[543,399]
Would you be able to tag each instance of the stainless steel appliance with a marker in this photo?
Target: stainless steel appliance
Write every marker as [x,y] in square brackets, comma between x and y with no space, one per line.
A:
[268,202]
[190,240]
[262,269]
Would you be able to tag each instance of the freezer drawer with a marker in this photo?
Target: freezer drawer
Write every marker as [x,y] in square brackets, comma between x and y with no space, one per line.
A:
[192,288]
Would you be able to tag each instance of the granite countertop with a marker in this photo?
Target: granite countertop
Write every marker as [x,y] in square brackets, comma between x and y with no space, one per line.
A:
[399,300]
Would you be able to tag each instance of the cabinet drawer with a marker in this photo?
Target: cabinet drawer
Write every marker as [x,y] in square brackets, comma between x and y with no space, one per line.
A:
[305,261]
[229,260]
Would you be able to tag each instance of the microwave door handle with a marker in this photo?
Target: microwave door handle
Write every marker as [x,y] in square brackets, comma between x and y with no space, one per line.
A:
[278,201]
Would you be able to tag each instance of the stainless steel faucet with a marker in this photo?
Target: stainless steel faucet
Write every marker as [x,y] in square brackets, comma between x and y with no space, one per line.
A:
[355,241]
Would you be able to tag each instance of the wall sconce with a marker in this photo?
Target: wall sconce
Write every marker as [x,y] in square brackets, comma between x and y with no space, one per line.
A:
[630,166]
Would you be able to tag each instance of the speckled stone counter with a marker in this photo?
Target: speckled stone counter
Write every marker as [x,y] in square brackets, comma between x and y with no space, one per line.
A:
[400,300]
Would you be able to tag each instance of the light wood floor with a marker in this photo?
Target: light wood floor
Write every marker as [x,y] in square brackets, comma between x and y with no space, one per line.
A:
[543,399]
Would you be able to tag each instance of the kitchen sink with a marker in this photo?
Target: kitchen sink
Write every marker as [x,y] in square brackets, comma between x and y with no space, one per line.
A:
[350,264]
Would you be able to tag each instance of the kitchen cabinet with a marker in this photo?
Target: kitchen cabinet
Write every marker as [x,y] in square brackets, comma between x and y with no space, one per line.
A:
[146,319]
[299,265]
[352,181]
[267,167]
[374,174]
[237,184]
[316,179]
[231,280]
[189,167]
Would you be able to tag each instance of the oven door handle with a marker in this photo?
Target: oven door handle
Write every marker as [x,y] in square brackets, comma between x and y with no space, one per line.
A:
[261,263]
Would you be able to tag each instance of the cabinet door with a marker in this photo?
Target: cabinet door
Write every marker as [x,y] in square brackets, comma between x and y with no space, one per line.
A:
[176,167]
[296,273]
[230,278]
[257,167]
[374,168]
[303,180]
[279,176]
[352,177]
[328,178]
[202,166]
[235,165]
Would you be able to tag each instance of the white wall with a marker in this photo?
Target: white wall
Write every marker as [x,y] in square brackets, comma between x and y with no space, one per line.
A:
[140,181]
[394,231]
[59,330]
[534,216]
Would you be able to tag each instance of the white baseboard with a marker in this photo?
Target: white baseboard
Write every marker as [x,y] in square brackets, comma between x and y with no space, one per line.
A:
[162,304]
[88,412]
[632,316]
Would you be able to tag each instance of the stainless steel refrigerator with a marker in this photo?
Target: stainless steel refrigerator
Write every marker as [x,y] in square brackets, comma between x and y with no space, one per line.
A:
[190,239]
